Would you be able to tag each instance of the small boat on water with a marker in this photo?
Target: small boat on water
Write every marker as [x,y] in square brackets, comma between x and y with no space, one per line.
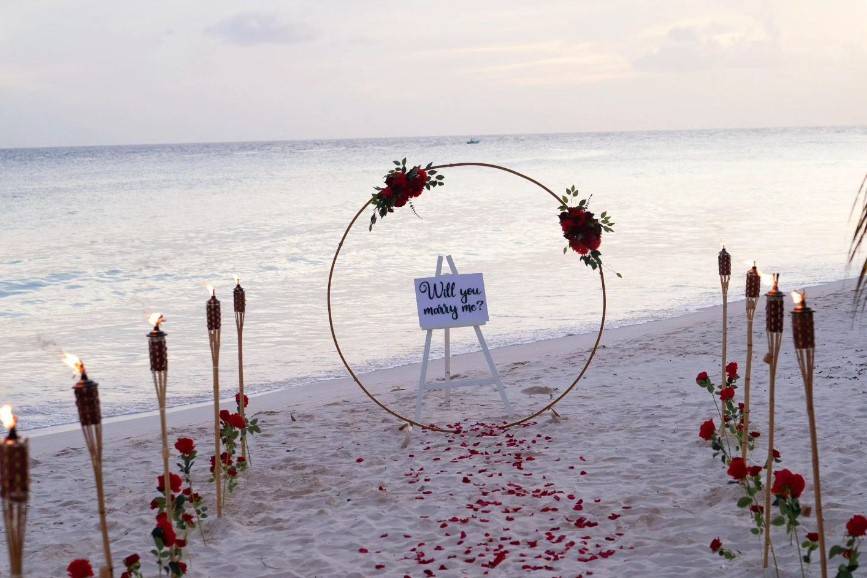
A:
[473,141]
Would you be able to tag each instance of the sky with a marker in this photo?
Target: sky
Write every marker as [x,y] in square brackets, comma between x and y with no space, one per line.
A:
[105,72]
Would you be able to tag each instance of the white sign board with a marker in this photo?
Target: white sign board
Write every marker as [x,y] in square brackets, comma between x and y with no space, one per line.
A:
[451,301]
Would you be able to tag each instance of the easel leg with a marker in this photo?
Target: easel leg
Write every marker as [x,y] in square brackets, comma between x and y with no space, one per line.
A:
[419,396]
[493,369]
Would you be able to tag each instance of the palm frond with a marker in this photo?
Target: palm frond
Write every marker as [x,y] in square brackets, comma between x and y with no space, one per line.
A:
[857,243]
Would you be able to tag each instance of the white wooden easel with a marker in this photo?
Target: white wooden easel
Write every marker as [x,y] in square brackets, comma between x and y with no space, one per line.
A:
[449,383]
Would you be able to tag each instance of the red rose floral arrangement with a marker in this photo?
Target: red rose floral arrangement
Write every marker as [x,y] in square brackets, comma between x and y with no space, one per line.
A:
[132,563]
[401,186]
[582,229]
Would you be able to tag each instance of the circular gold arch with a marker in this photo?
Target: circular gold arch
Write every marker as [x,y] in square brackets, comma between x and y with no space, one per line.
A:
[433,426]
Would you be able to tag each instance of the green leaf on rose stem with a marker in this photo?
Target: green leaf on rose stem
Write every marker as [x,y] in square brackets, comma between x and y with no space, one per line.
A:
[755,531]
[778,521]
[744,502]
[835,550]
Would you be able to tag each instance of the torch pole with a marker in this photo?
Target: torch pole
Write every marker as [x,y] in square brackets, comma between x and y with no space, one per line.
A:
[725,271]
[90,415]
[745,441]
[774,320]
[239,324]
[805,348]
[214,338]
[159,361]
[160,384]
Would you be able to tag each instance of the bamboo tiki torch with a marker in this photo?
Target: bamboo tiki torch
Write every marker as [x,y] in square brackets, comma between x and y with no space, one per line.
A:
[90,416]
[159,368]
[754,286]
[774,329]
[14,489]
[805,347]
[240,311]
[725,272]
[212,312]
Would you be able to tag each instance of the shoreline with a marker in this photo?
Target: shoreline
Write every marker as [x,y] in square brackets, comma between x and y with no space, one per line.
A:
[306,393]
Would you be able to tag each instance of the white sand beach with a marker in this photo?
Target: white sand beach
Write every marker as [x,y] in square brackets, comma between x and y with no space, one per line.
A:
[620,486]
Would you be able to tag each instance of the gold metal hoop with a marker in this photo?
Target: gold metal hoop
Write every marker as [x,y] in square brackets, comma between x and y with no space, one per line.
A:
[434,427]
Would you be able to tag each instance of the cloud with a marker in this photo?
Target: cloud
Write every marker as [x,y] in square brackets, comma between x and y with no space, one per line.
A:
[252,28]
[710,45]
[554,65]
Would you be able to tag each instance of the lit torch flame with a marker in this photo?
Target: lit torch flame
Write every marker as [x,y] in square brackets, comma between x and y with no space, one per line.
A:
[800,299]
[74,362]
[7,417]
[156,319]
[237,279]
[211,291]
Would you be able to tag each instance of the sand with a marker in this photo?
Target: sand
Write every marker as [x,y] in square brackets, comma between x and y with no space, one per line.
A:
[620,486]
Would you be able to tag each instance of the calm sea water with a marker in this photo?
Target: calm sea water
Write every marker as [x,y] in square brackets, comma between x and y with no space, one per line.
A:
[93,239]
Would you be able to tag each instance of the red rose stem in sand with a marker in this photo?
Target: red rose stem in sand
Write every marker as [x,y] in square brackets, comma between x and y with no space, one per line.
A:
[90,416]
[159,368]
[240,299]
[725,273]
[212,313]
[754,286]
[14,489]
[805,347]
[774,328]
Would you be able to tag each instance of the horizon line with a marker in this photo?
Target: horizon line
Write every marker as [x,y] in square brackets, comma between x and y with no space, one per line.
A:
[405,137]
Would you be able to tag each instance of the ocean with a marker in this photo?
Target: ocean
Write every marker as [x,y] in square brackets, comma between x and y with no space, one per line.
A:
[94,239]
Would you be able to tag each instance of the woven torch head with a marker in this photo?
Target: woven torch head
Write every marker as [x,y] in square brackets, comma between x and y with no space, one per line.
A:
[87,401]
[212,311]
[754,283]
[725,263]
[14,471]
[774,308]
[240,299]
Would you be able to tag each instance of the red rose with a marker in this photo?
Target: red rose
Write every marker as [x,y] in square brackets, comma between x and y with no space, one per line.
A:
[856,526]
[727,393]
[182,566]
[188,519]
[224,415]
[126,575]
[754,434]
[181,543]
[155,503]
[235,420]
[232,472]
[813,536]
[401,199]
[592,241]
[702,378]
[397,181]
[185,446]
[165,530]
[174,479]
[241,460]
[788,484]
[737,468]
[755,470]
[756,508]
[732,370]
[707,430]
[386,193]
[715,544]
[578,247]
[79,569]
[776,454]
[131,560]
[238,399]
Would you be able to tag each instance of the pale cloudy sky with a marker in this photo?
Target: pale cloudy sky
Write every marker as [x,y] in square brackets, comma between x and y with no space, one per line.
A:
[111,72]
